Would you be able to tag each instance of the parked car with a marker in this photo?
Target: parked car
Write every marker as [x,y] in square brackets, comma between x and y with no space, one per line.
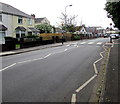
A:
[114,36]
[117,36]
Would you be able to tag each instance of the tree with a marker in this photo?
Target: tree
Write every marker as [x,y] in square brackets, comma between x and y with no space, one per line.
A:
[113,9]
[44,28]
[69,23]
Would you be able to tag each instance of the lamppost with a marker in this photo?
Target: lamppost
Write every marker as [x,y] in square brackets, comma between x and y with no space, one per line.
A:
[66,13]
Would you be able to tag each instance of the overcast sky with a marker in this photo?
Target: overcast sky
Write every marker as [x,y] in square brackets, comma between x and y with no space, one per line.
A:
[90,12]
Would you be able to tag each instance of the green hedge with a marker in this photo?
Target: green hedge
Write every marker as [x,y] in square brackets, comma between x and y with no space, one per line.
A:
[76,37]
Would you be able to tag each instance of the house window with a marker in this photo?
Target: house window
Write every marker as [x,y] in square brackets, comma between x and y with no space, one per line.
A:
[20,34]
[20,20]
[29,21]
[0,17]
[2,35]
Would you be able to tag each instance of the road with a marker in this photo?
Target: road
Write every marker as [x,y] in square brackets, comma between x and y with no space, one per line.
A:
[52,74]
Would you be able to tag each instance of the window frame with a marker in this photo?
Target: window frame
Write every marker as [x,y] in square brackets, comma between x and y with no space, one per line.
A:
[0,17]
[20,20]
[29,21]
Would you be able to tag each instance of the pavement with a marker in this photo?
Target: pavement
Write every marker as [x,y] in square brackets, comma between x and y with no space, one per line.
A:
[111,90]
[17,51]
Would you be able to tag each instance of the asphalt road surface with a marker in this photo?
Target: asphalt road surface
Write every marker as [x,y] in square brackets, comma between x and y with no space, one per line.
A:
[52,74]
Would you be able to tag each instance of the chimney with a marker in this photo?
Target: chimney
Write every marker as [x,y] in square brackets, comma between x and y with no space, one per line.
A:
[33,15]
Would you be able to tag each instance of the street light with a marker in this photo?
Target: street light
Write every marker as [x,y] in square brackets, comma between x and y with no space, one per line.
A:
[65,13]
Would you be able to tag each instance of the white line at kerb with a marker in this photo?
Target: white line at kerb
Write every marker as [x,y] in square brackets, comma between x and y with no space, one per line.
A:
[86,83]
[73,100]
[8,67]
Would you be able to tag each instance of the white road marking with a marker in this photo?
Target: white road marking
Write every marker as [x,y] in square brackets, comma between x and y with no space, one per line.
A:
[94,64]
[73,100]
[75,45]
[68,45]
[90,42]
[99,43]
[47,55]
[8,67]
[37,59]
[112,45]
[24,61]
[86,83]
[83,43]
[65,49]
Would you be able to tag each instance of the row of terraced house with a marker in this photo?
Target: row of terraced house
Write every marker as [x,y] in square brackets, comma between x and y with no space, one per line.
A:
[17,24]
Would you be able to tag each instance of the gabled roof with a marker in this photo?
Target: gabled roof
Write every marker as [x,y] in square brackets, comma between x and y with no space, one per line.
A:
[8,9]
[79,28]
[38,20]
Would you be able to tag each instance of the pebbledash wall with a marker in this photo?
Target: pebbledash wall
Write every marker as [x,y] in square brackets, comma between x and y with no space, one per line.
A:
[7,21]
[11,22]
[25,24]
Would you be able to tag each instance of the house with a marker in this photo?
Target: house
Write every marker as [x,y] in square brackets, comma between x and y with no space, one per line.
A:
[15,23]
[81,30]
[101,31]
[39,21]
[92,31]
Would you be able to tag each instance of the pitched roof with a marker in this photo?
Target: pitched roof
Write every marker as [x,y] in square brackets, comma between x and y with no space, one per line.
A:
[34,29]
[91,29]
[38,20]
[5,8]
[3,28]
[20,28]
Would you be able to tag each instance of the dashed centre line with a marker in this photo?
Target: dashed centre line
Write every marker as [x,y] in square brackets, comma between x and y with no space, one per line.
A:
[47,55]
[30,60]
[8,67]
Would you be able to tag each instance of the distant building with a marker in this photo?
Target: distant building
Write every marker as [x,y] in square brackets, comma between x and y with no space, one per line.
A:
[58,30]
[15,23]
[39,21]
[101,31]
[81,29]
[91,30]
[95,31]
